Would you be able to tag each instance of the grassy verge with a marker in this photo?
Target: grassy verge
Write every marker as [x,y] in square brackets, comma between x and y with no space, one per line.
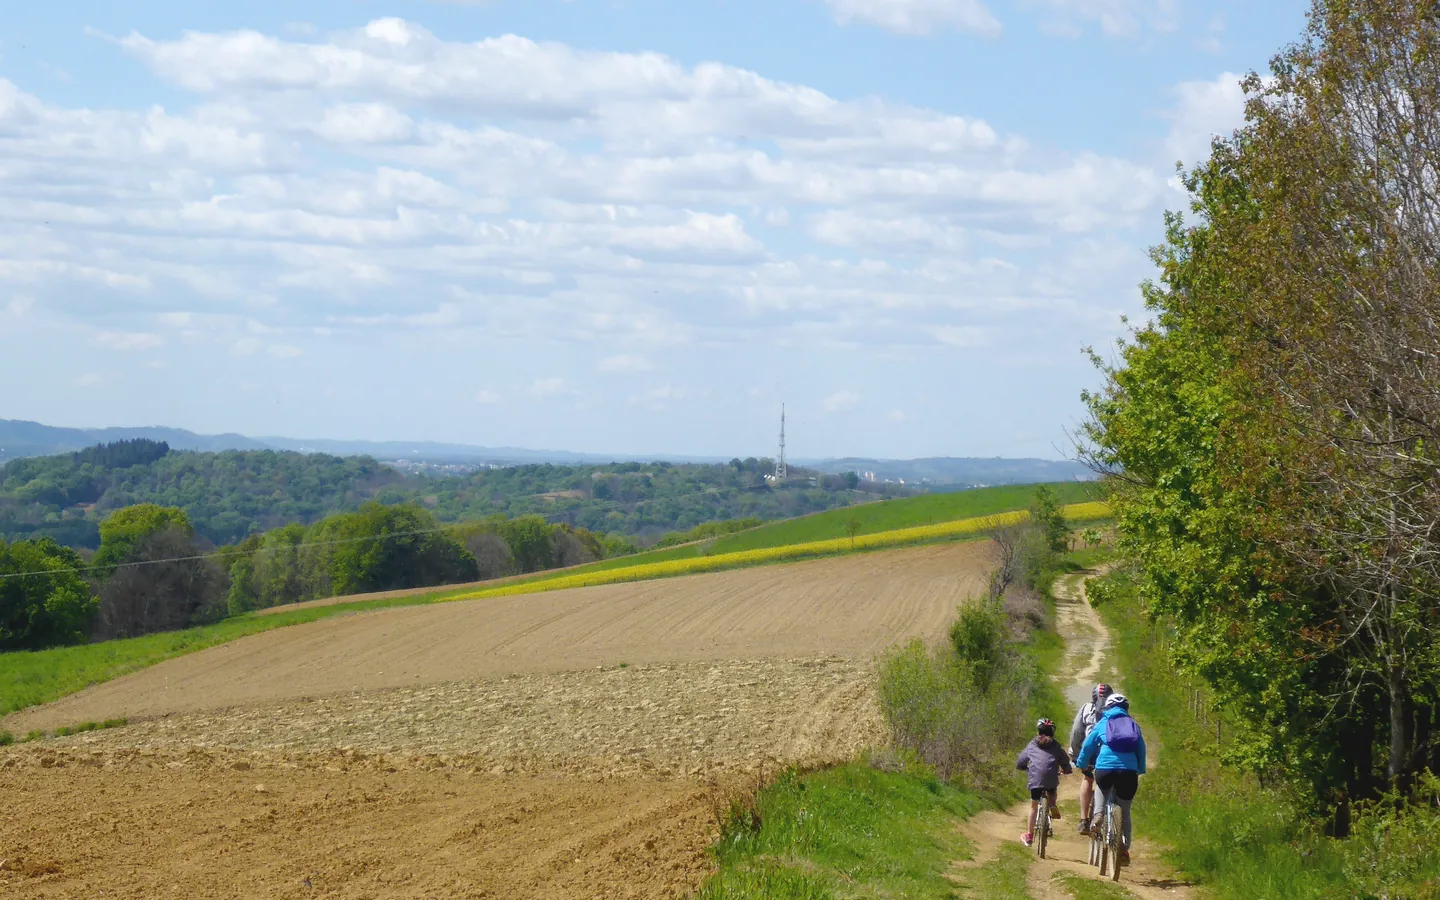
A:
[1238,839]
[848,831]
[855,831]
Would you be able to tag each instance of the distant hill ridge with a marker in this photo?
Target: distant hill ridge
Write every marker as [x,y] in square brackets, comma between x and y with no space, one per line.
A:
[20,439]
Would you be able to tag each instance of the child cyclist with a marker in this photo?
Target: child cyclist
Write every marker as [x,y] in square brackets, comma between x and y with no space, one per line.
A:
[1044,759]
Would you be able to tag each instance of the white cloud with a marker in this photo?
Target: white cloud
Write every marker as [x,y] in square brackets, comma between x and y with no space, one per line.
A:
[487,397]
[129,340]
[962,335]
[1116,18]
[840,401]
[897,416]
[284,351]
[19,306]
[918,17]
[89,379]
[390,182]
[624,362]
[548,387]
[1203,110]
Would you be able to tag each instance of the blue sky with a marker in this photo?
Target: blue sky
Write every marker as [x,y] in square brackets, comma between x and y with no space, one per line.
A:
[613,227]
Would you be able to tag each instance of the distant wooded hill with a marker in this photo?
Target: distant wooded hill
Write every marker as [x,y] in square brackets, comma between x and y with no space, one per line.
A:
[22,439]
[235,493]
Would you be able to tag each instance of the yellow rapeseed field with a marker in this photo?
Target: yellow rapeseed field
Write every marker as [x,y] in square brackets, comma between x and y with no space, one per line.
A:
[897,538]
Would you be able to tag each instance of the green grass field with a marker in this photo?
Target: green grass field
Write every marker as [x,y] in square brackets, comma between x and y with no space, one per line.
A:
[886,515]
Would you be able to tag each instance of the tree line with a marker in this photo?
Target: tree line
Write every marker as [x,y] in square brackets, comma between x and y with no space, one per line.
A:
[230,496]
[1272,436]
[153,571]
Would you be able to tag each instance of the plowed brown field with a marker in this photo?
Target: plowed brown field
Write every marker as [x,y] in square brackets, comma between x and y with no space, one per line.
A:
[566,744]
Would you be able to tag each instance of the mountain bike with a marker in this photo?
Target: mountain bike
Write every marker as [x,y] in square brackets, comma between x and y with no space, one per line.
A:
[1106,841]
[1043,828]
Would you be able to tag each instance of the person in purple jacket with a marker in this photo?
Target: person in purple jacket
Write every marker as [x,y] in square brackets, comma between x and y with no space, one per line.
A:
[1044,759]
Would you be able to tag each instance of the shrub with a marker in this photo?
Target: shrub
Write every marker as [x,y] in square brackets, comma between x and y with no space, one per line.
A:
[936,710]
[6,738]
[978,637]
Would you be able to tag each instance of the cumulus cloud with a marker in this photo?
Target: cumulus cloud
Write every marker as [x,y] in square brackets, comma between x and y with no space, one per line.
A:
[840,401]
[386,179]
[1203,110]
[548,387]
[918,17]
[487,397]
[1116,18]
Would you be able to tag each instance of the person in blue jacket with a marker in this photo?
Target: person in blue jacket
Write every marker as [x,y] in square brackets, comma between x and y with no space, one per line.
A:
[1115,750]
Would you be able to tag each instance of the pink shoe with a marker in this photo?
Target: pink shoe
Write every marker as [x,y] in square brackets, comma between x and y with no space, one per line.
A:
[1027,838]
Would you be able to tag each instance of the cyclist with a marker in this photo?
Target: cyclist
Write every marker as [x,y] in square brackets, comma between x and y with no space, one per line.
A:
[1115,749]
[1045,759]
[1085,719]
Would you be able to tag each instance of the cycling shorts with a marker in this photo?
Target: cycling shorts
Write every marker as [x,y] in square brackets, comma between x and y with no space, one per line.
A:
[1122,782]
[1038,794]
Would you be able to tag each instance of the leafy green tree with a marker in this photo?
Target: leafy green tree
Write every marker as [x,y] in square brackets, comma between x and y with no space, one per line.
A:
[395,547]
[529,540]
[1047,515]
[852,528]
[44,602]
[123,530]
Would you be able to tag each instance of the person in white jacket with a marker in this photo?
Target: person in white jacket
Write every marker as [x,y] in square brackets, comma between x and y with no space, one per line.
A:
[1085,720]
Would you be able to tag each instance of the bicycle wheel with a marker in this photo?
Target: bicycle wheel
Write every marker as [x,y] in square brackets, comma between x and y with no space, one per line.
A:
[1113,841]
[1042,831]
[1102,842]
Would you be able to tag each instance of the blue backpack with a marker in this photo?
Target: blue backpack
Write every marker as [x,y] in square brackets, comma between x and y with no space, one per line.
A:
[1122,734]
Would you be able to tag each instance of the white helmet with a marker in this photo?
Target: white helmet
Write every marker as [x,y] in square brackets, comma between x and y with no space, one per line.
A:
[1119,700]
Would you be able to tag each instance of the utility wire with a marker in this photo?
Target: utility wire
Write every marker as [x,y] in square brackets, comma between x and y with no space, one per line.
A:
[218,554]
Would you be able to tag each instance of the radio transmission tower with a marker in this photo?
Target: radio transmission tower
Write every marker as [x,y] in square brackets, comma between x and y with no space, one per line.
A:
[780,470]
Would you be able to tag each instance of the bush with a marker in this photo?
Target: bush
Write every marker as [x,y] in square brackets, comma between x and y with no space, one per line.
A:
[6,738]
[937,710]
[978,637]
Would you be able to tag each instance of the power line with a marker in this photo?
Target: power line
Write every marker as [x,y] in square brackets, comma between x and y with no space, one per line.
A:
[219,554]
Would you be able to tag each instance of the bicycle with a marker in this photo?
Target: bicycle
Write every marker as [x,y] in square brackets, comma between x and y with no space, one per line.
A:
[1106,842]
[1043,828]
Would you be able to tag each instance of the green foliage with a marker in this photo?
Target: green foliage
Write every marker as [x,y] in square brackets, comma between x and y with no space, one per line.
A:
[231,495]
[707,530]
[122,531]
[49,605]
[960,712]
[6,738]
[843,832]
[978,637]
[1239,839]
[390,547]
[1002,878]
[1049,519]
[241,598]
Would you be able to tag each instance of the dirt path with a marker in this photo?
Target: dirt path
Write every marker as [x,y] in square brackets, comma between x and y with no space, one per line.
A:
[1086,642]
[852,607]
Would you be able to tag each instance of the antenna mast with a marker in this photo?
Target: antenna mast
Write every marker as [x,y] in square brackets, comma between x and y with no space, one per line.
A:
[780,471]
